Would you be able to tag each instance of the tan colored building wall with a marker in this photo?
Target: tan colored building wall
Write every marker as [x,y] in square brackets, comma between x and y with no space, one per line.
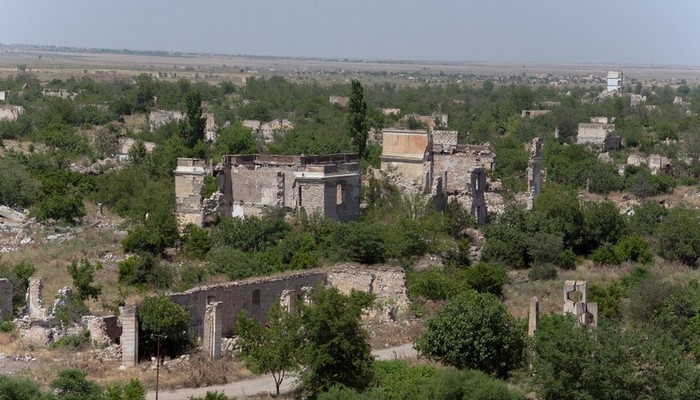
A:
[189,179]
[405,151]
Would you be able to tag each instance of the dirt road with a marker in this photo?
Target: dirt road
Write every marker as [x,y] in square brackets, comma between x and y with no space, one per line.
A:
[265,384]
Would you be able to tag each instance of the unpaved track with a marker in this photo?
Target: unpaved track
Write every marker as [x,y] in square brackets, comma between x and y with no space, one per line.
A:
[265,384]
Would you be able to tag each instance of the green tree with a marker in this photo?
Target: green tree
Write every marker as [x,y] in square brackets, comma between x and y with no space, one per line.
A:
[335,349]
[145,90]
[272,348]
[678,236]
[575,362]
[485,278]
[192,127]
[18,389]
[475,331]
[161,317]
[83,273]
[71,384]
[17,187]
[357,118]
[18,275]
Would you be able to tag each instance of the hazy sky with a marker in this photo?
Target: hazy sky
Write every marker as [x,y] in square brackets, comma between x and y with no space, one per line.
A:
[577,31]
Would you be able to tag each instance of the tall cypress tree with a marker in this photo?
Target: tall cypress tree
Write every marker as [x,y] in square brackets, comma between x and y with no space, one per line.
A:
[192,128]
[357,118]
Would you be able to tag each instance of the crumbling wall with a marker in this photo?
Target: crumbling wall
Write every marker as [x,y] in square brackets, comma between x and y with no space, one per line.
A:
[254,295]
[405,151]
[534,171]
[445,141]
[189,179]
[10,113]
[35,299]
[477,189]
[593,133]
[455,170]
[388,284]
[5,299]
[158,118]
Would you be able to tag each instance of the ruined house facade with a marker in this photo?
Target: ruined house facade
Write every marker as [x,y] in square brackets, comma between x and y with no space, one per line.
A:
[437,164]
[328,185]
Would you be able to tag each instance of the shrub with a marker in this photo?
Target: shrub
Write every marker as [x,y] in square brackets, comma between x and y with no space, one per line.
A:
[18,275]
[145,270]
[6,326]
[70,311]
[605,255]
[12,388]
[567,259]
[678,236]
[542,272]
[474,331]
[485,278]
[66,207]
[71,384]
[72,342]
[235,263]
[82,273]
[633,248]
[432,285]
[196,242]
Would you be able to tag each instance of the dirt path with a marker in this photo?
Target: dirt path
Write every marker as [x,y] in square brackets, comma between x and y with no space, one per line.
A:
[265,384]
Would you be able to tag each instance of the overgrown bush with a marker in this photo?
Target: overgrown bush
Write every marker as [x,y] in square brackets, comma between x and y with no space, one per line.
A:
[160,317]
[542,272]
[145,270]
[18,275]
[485,278]
[74,342]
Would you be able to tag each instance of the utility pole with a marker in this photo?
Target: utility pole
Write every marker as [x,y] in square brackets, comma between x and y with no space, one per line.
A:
[158,360]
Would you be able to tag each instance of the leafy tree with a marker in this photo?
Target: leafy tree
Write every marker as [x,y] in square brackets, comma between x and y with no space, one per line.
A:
[270,349]
[83,273]
[476,331]
[603,222]
[18,275]
[161,317]
[138,153]
[196,242]
[71,384]
[18,389]
[485,278]
[192,127]
[357,118]
[144,270]
[647,217]
[17,187]
[145,90]
[678,236]
[335,349]
[574,362]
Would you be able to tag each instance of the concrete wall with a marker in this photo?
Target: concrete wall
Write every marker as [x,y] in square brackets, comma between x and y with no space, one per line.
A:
[388,284]
[533,113]
[477,189]
[593,133]
[404,144]
[254,295]
[189,179]
[10,113]
[158,118]
[455,170]
[5,298]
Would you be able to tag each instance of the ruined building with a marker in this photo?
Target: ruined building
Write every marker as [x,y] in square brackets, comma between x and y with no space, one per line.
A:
[434,163]
[325,184]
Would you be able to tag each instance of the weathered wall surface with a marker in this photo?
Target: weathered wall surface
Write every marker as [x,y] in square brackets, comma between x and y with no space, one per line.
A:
[10,113]
[388,284]
[158,118]
[593,133]
[455,170]
[189,179]
[404,143]
[254,295]
[5,298]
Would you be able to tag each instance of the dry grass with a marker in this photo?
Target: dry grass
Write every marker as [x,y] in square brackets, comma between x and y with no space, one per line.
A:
[550,293]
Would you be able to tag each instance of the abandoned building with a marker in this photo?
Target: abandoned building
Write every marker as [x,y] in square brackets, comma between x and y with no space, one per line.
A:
[158,118]
[533,113]
[614,81]
[341,101]
[328,185]
[594,133]
[436,164]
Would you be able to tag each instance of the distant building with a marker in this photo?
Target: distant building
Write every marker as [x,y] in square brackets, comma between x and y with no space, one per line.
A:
[3,95]
[328,185]
[339,100]
[533,113]
[593,133]
[10,113]
[614,80]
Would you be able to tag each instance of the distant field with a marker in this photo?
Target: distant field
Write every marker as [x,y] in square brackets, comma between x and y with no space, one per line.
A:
[49,65]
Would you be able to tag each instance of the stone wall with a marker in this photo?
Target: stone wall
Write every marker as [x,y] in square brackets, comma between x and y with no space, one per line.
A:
[158,118]
[254,295]
[445,141]
[405,152]
[189,179]
[5,299]
[593,133]
[388,284]
[10,113]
